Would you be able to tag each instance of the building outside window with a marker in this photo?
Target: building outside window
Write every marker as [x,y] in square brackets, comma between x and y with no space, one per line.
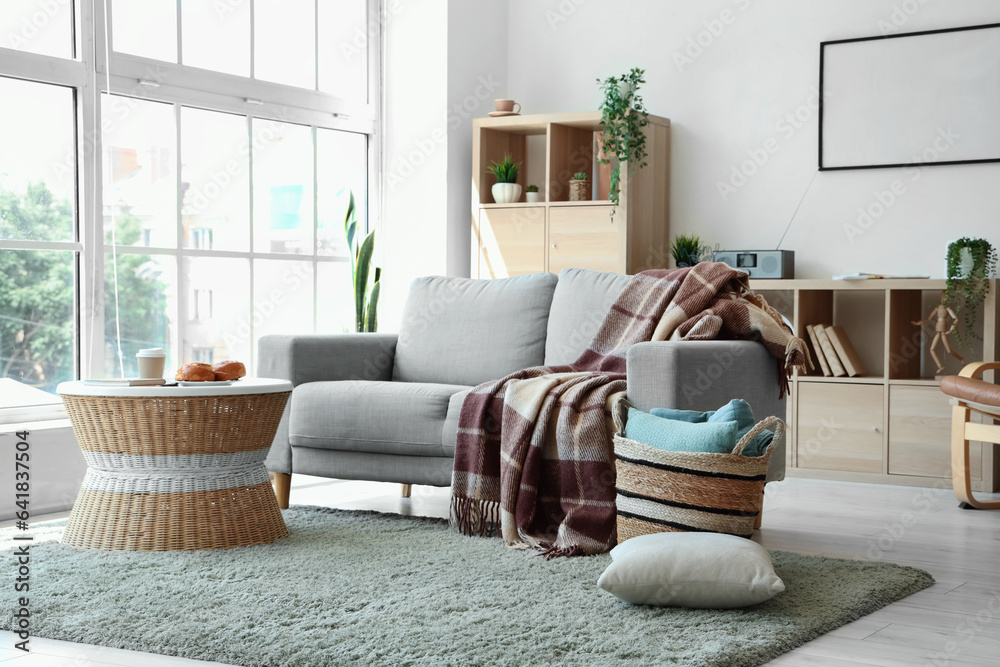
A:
[216,185]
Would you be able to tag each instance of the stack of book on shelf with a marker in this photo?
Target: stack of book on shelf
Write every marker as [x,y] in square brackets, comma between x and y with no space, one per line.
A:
[833,350]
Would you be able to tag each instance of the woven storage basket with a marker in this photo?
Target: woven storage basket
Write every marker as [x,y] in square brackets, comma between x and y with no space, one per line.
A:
[663,491]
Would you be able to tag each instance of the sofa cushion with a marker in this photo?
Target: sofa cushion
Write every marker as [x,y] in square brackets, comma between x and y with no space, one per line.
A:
[377,417]
[463,331]
[581,300]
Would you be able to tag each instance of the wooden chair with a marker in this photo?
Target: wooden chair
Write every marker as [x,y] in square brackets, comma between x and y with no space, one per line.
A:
[970,395]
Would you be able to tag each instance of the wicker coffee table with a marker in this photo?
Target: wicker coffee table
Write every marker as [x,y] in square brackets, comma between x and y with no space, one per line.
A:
[175,468]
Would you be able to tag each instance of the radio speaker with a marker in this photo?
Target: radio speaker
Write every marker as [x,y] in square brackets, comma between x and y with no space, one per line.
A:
[759,263]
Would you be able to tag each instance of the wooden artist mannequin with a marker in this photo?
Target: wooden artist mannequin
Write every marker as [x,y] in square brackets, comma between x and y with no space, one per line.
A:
[941,331]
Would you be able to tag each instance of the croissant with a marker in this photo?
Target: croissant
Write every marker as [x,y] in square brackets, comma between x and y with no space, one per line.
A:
[196,371]
[229,370]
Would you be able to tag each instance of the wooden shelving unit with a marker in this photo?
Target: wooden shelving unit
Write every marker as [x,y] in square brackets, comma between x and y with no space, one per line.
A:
[892,425]
[516,238]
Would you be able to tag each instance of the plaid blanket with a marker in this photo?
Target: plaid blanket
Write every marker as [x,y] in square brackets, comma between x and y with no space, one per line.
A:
[535,457]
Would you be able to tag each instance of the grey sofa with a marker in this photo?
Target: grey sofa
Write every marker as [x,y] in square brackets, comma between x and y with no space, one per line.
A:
[384,407]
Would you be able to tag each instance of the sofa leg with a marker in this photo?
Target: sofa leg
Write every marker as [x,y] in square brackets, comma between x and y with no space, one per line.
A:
[405,490]
[282,488]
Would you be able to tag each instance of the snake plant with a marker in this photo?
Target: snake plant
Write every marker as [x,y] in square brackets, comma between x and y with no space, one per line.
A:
[365,294]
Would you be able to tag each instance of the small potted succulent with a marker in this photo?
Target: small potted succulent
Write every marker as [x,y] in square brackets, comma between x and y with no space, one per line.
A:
[579,187]
[505,190]
[970,263]
[686,250]
[532,195]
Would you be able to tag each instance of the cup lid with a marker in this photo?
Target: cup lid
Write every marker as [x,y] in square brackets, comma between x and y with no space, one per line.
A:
[150,352]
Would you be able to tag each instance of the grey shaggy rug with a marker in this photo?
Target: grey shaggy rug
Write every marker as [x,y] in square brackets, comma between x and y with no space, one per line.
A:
[383,589]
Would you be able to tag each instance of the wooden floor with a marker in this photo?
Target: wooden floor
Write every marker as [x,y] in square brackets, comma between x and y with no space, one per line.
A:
[955,622]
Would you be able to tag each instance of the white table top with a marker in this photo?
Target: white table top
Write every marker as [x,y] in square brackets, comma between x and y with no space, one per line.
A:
[241,386]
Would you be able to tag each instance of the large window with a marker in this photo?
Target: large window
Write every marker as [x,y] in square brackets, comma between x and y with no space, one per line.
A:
[195,203]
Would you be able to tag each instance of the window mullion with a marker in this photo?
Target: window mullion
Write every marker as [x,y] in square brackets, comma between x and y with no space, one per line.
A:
[180,27]
[316,45]
[180,261]
[90,209]
[315,224]
[253,39]
[253,223]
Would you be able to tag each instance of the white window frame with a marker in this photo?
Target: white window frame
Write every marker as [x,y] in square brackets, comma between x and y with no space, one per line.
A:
[180,85]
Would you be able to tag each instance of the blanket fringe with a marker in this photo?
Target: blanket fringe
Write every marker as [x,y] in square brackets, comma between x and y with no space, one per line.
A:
[475,517]
[796,356]
[550,551]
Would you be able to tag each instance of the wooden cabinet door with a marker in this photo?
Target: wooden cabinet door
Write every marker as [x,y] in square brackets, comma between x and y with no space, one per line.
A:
[839,427]
[920,434]
[511,241]
[584,237]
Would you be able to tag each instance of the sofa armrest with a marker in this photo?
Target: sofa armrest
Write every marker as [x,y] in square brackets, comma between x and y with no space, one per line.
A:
[704,375]
[316,358]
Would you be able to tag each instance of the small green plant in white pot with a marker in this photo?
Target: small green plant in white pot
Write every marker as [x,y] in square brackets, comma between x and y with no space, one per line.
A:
[505,190]
[532,195]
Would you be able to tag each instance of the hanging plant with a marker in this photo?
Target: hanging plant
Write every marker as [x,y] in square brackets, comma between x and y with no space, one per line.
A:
[967,287]
[623,117]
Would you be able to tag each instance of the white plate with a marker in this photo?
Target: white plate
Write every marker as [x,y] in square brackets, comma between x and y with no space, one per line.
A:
[209,383]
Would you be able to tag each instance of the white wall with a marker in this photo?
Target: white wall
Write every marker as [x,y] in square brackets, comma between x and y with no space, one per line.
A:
[735,95]
[413,233]
[445,63]
[477,75]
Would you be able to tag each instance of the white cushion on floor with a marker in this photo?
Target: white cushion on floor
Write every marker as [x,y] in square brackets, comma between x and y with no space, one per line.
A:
[698,570]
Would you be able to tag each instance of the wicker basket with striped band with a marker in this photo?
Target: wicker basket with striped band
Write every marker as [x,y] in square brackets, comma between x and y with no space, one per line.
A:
[663,491]
[175,472]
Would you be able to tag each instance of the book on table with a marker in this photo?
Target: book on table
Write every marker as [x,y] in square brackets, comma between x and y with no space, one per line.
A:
[828,350]
[125,382]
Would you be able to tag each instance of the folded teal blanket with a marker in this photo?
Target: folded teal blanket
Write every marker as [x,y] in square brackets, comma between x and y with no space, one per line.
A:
[715,431]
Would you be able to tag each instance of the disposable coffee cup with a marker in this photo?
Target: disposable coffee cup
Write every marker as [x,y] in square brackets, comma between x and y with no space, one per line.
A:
[151,361]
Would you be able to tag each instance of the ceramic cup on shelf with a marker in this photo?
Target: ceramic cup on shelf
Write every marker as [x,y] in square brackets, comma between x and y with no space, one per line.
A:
[507,106]
[151,362]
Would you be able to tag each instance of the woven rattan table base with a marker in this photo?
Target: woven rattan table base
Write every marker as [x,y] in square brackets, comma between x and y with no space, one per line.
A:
[175,472]
[222,519]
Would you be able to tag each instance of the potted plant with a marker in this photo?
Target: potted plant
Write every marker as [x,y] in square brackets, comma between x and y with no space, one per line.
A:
[686,250]
[579,187]
[365,292]
[623,117]
[971,263]
[505,190]
[532,195]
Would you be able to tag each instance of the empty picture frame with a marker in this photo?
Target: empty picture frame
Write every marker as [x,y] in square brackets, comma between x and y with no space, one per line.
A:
[928,97]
